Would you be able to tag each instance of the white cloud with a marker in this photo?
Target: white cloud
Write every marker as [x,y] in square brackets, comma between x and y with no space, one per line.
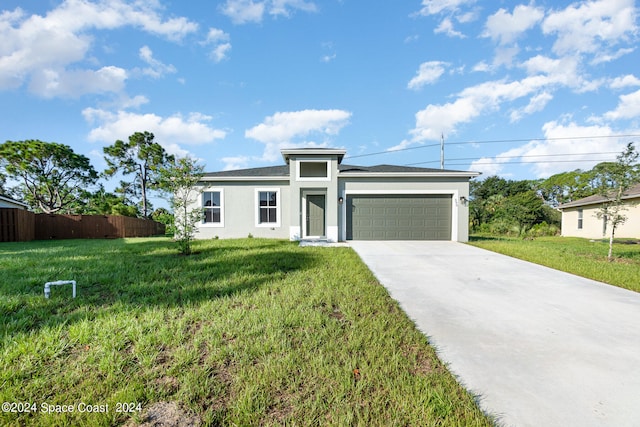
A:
[536,103]
[624,81]
[628,107]
[156,68]
[591,27]
[239,162]
[220,42]
[505,28]
[42,48]
[428,73]
[446,27]
[171,132]
[50,83]
[434,7]
[566,147]
[246,11]
[291,129]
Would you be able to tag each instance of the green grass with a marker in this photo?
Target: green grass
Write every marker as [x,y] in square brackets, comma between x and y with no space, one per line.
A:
[245,332]
[574,255]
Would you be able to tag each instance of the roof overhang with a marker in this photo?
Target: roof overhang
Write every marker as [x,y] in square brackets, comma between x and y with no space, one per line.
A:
[408,174]
[14,201]
[243,178]
[287,153]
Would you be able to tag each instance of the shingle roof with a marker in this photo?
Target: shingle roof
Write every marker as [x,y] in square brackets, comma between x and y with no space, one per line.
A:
[275,171]
[252,172]
[389,169]
[632,193]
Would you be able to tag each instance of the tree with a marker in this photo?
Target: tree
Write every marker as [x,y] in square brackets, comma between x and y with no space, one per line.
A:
[615,179]
[565,187]
[142,157]
[180,181]
[51,175]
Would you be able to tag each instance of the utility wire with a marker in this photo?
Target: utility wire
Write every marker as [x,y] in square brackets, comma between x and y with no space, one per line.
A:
[520,157]
[497,141]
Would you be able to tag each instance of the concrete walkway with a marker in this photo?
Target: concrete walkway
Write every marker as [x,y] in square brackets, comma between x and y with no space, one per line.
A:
[539,347]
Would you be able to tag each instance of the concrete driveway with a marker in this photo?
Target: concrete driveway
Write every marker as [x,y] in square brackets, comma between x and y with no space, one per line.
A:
[539,347]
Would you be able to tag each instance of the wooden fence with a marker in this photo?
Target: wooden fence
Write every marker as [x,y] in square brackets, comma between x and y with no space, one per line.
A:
[16,225]
[24,226]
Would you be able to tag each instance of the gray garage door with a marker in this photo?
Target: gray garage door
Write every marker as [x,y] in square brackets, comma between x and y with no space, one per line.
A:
[399,217]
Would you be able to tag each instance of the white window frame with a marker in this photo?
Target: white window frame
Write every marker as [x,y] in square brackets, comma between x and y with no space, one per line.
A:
[278,207]
[213,224]
[580,218]
[322,178]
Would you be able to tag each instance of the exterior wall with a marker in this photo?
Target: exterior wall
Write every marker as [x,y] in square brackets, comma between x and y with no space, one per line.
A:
[240,210]
[457,187]
[301,186]
[592,227]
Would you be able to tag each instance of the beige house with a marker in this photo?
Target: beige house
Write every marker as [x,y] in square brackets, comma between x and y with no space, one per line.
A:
[579,218]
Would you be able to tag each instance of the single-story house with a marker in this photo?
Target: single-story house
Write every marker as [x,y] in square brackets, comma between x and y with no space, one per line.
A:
[314,196]
[579,218]
[8,202]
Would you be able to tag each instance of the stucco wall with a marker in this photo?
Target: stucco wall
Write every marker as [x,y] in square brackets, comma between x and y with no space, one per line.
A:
[457,187]
[592,227]
[240,209]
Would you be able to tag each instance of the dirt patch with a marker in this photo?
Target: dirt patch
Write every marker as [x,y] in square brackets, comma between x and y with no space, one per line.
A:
[166,414]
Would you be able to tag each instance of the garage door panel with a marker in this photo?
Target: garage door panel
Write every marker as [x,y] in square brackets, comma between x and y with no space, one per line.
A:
[399,217]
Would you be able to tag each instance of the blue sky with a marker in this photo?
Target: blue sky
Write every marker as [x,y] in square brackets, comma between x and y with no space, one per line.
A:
[519,89]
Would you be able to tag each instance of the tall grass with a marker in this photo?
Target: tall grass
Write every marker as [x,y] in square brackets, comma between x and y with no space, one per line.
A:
[244,332]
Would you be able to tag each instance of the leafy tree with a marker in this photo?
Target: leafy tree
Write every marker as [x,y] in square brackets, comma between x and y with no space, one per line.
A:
[165,217]
[102,202]
[51,175]
[180,181]
[525,209]
[615,179]
[143,158]
[565,187]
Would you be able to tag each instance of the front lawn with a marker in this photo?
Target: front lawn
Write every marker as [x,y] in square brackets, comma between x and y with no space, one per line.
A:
[245,332]
[583,257]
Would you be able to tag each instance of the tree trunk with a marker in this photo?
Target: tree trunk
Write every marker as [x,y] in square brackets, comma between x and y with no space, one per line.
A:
[613,231]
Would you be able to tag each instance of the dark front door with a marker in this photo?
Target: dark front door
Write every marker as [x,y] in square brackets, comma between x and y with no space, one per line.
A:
[315,215]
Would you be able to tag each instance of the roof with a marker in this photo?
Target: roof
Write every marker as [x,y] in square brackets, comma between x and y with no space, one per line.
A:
[288,152]
[632,193]
[269,171]
[11,200]
[346,169]
[280,172]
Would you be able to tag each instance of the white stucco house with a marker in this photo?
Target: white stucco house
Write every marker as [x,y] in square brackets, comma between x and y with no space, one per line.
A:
[313,195]
[8,202]
[579,218]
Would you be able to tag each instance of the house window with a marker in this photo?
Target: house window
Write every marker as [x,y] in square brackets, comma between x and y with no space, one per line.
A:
[212,204]
[268,208]
[313,170]
[580,216]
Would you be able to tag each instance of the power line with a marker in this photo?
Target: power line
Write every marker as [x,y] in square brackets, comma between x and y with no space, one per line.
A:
[521,157]
[534,162]
[496,141]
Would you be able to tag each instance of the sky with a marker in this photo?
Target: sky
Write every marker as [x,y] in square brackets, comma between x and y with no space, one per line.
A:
[522,90]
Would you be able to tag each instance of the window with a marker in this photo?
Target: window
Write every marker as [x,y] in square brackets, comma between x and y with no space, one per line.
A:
[212,204]
[268,208]
[313,170]
[580,216]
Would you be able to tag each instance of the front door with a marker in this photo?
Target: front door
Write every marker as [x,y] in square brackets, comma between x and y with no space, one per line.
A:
[315,215]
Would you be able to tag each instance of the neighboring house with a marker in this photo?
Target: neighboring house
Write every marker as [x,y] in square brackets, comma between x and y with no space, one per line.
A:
[579,218]
[315,196]
[8,202]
